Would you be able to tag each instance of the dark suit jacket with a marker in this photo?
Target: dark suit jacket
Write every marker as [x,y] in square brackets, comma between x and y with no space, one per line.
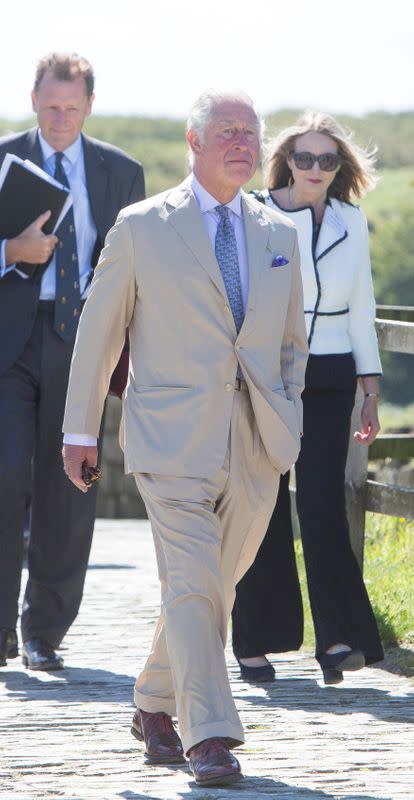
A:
[114,180]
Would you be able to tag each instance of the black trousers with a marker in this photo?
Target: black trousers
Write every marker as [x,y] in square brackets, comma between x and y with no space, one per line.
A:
[268,613]
[340,605]
[32,399]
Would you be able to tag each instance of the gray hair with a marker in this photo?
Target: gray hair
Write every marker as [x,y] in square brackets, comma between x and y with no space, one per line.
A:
[203,108]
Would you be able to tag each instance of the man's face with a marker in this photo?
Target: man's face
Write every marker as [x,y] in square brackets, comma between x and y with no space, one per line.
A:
[61,108]
[226,156]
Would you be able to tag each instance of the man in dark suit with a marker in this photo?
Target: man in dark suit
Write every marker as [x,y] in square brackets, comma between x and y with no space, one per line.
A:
[44,281]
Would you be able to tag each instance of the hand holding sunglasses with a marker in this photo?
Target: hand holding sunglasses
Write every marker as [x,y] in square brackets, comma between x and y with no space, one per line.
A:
[90,474]
[328,162]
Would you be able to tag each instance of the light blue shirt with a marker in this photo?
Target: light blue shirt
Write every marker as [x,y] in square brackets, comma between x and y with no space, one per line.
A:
[74,166]
[211,219]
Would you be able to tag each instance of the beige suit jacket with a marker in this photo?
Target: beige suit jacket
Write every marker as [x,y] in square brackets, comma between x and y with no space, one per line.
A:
[158,275]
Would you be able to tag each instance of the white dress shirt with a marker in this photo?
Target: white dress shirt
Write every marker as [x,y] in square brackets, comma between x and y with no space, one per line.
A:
[211,219]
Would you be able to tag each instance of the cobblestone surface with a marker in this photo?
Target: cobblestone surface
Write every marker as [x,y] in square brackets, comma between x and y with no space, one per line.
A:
[66,735]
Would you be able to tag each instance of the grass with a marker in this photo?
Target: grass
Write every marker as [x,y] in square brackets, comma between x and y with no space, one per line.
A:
[389,578]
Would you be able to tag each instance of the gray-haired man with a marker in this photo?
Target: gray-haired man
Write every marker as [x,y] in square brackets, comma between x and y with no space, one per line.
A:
[212,411]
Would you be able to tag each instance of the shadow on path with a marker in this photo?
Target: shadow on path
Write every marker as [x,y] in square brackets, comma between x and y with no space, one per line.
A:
[260,787]
[306,695]
[71,685]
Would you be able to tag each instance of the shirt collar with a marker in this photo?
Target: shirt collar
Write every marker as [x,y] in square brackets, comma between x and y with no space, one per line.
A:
[207,202]
[72,153]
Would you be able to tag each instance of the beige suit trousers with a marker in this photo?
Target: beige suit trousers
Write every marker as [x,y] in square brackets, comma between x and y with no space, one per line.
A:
[206,535]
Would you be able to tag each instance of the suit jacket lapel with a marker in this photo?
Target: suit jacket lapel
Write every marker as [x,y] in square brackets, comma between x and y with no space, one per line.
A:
[332,232]
[257,231]
[96,174]
[97,179]
[34,152]
[185,216]
[183,213]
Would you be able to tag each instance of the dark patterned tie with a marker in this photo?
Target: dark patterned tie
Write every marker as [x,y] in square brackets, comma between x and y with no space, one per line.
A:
[228,261]
[67,299]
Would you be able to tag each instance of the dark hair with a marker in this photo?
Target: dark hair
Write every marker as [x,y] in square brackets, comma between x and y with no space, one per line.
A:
[356,174]
[65,67]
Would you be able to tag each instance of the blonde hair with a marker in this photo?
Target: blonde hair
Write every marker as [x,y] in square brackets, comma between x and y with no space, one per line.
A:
[356,174]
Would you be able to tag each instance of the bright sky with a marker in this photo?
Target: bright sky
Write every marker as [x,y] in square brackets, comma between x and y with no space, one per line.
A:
[153,57]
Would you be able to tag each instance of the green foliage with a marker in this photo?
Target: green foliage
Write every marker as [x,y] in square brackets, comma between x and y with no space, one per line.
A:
[158,143]
[392,255]
[395,188]
[390,211]
[388,575]
[396,418]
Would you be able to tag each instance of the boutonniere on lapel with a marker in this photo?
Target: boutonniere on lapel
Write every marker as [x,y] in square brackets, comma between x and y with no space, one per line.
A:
[279,261]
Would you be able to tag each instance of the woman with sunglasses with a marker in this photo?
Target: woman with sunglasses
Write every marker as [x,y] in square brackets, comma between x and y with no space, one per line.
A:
[313,171]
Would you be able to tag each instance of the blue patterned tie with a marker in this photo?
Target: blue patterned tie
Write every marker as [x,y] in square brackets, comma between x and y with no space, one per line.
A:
[228,260]
[67,298]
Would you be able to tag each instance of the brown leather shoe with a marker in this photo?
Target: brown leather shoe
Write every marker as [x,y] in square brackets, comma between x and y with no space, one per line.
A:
[212,763]
[162,742]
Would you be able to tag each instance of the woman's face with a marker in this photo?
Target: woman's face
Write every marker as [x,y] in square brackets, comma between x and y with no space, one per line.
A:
[314,181]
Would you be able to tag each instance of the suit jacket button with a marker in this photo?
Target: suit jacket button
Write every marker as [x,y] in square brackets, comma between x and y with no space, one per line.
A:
[228,387]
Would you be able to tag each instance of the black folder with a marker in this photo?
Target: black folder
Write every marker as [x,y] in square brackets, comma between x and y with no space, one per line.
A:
[24,196]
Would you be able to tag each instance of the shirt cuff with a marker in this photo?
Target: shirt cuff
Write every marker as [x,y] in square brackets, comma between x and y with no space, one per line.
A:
[5,268]
[3,243]
[80,438]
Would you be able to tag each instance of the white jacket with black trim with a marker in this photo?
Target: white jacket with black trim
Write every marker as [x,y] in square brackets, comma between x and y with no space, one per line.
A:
[337,282]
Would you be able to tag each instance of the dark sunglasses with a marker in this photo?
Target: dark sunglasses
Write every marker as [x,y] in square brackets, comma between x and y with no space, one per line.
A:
[90,474]
[328,162]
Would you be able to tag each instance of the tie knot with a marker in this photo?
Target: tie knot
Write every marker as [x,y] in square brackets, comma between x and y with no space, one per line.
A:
[58,158]
[223,212]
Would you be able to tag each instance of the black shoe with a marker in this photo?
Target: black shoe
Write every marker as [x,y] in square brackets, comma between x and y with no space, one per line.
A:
[332,676]
[333,664]
[38,654]
[8,645]
[263,674]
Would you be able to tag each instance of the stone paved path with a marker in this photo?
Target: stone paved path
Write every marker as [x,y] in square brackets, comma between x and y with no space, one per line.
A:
[66,735]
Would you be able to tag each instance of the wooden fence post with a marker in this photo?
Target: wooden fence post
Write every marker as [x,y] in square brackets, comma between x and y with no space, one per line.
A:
[355,483]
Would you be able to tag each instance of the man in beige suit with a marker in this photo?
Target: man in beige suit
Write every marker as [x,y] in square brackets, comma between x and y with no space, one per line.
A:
[208,281]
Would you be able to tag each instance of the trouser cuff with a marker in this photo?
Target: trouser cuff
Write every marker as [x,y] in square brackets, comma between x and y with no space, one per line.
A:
[225,730]
[153,704]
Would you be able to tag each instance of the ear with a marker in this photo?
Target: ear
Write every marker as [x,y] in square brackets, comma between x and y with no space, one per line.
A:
[89,106]
[34,101]
[194,142]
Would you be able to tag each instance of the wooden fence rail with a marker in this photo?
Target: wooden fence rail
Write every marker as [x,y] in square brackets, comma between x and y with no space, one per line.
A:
[367,495]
